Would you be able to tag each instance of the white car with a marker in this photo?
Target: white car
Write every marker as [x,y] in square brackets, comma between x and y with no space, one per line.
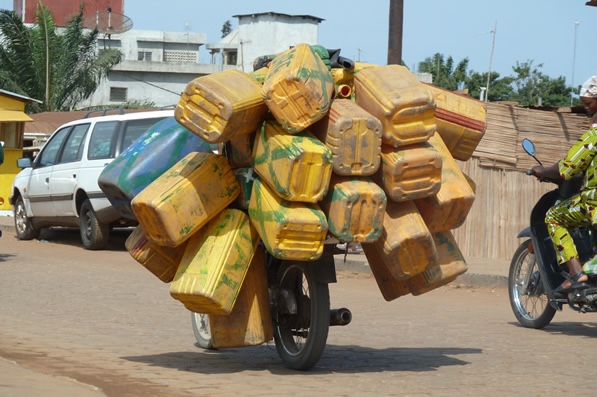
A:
[59,188]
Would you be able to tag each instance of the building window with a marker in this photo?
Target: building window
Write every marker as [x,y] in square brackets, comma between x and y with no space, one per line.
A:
[180,57]
[144,56]
[118,94]
[231,58]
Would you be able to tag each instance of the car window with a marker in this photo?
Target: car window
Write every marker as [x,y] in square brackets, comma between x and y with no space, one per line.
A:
[49,153]
[73,149]
[134,129]
[102,140]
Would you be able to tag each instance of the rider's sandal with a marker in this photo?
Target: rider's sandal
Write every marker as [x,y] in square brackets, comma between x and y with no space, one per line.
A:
[573,278]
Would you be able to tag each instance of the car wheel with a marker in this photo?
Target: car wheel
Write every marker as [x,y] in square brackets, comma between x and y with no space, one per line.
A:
[94,234]
[23,227]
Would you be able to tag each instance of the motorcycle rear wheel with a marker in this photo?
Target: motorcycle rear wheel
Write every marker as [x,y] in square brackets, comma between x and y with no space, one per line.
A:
[529,303]
[301,337]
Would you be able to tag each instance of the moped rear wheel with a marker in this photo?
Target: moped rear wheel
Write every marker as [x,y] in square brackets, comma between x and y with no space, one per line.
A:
[301,317]
[528,299]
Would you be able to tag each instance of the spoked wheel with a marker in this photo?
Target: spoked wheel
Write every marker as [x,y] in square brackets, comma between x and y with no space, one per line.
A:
[528,299]
[301,316]
[201,330]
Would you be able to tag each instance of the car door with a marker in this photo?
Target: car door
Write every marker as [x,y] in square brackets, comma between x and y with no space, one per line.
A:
[65,173]
[38,188]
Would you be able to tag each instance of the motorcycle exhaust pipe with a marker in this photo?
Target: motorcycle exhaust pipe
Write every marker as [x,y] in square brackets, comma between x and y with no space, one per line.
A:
[341,316]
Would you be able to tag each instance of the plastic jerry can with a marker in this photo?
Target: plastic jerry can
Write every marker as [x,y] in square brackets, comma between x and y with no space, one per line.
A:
[161,261]
[221,105]
[215,263]
[461,121]
[245,177]
[250,322]
[158,149]
[399,100]
[354,137]
[355,209]
[448,208]
[185,198]
[389,286]
[298,167]
[406,245]
[239,151]
[410,172]
[289,230]
[298,88]
[450,265]
[259,74]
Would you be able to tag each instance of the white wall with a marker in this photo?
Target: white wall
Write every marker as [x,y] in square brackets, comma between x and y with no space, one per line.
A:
[270,34]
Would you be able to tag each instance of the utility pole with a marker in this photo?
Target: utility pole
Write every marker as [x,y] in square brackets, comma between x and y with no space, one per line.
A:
[490,60]
[395,32]
[576,23]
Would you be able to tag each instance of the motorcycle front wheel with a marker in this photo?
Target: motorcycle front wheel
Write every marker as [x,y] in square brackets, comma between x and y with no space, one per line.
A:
[528,299]
[301,334]
[200,322]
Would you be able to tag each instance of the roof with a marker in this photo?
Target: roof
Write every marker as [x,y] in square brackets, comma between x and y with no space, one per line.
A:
[48,122]
[17,96]
[256,14]
[13,115]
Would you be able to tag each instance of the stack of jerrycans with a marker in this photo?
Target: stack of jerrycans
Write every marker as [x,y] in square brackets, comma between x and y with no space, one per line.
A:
[293,167]
[308,151]
[415,173]
[220,273]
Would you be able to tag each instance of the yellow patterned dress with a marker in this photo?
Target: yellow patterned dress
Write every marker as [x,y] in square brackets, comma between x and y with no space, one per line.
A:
[580,209]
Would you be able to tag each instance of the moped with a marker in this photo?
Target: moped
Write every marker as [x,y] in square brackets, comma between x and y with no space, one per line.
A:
[534,271]
[300,307]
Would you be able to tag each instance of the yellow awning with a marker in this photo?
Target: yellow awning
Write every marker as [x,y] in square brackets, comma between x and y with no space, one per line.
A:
[13,115]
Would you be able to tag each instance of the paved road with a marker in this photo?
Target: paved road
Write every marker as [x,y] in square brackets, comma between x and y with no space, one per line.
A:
[100,319]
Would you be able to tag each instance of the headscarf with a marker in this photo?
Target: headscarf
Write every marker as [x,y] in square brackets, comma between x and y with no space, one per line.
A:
[589,88]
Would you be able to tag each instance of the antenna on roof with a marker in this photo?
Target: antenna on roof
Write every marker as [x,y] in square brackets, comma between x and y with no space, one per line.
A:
[108,22]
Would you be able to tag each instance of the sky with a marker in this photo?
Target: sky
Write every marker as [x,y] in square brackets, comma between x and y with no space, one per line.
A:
[493,35]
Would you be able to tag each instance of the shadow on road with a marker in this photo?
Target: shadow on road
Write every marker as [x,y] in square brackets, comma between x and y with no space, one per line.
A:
[4,257]
[336,359]
[72,237]
[579,328]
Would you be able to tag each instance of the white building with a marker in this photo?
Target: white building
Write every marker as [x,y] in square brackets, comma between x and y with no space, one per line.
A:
[157,66]
[267,33]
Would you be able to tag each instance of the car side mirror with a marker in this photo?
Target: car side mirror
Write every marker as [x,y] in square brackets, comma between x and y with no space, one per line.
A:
[24,162]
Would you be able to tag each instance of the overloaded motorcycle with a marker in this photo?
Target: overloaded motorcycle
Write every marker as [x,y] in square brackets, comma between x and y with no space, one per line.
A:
[534,272]
[300,308]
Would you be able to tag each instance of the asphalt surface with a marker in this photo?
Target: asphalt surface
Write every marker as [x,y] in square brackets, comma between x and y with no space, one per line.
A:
[19,381]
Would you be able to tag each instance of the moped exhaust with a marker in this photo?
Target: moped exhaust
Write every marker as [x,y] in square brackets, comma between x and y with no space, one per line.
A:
[341,316]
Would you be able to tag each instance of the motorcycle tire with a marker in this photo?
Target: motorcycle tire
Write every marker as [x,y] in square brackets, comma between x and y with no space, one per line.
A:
[301,337]
[526,291]
[200,322]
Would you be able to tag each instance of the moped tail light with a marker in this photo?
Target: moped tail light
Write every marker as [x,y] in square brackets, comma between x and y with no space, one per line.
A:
[530,248]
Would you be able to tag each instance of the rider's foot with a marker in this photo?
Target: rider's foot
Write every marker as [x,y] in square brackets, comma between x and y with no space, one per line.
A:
[572,279]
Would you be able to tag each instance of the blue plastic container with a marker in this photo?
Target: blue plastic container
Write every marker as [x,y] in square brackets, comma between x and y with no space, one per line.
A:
[153,153]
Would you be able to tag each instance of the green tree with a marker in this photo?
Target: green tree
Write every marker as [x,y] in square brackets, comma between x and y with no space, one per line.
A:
[59,69]
[445,74]
[533,87]
[500,89]
[226,29]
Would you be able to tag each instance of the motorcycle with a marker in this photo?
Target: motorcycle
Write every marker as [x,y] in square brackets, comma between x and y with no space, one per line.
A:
[300,306]
[534,271]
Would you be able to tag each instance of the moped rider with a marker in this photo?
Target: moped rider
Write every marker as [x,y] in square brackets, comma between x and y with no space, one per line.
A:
[580,209]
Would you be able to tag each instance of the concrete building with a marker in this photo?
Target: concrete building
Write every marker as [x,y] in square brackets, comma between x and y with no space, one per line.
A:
[157,65]
[156,68]
[265,33]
